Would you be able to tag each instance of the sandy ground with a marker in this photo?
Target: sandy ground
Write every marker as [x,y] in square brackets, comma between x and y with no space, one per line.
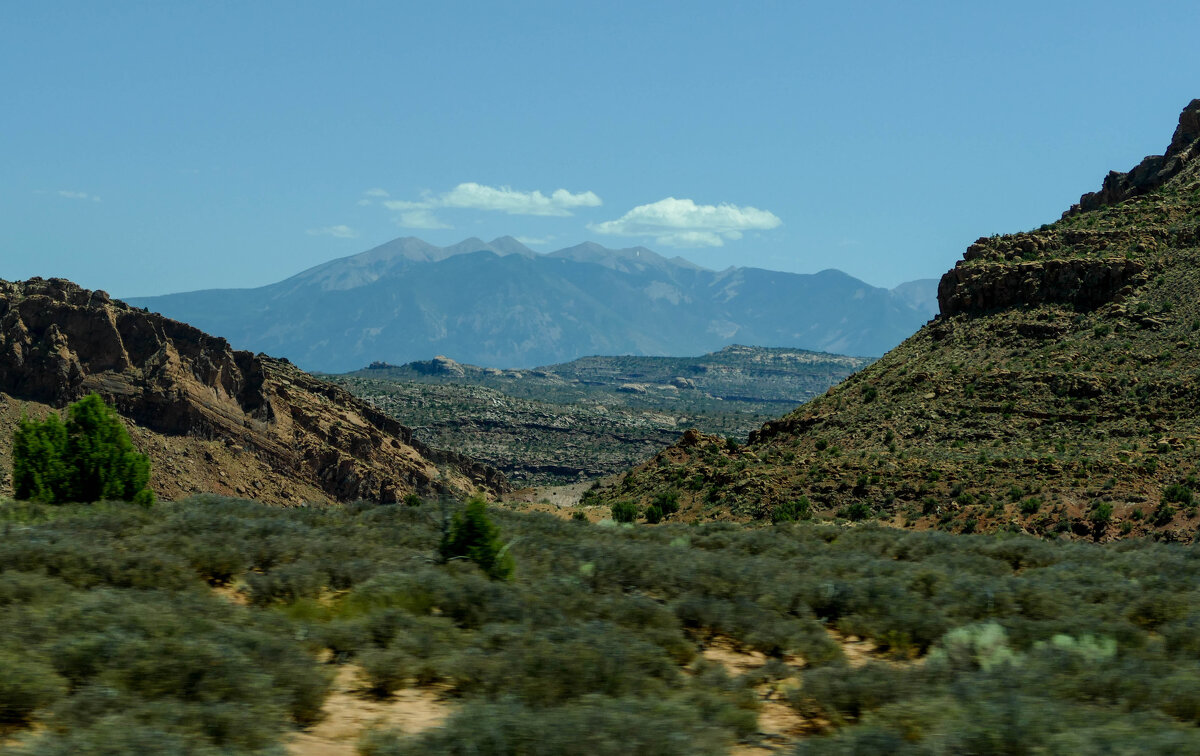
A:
[561,501]
[556,496]
[779,725]
[349,712]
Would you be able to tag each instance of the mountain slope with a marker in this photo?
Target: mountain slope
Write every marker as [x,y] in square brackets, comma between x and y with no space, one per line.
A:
[1056,392]
[210,418]
[501,305]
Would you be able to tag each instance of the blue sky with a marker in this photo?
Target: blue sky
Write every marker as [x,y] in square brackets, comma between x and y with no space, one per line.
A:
[156,147]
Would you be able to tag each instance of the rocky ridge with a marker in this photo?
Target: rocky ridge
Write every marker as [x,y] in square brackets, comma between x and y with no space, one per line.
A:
[1055,392]
[288,436]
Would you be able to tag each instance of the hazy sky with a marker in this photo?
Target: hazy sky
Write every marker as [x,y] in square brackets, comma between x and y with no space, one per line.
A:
[154,147]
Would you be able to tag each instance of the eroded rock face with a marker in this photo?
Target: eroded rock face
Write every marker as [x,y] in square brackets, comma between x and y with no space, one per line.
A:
[59,342]
[1085,283]
[1153,171]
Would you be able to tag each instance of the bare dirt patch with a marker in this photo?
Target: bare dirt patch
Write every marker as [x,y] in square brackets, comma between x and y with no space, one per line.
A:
[735,660]
[561,501]
[232,593]
[350,711]
[858,651]
[779,725]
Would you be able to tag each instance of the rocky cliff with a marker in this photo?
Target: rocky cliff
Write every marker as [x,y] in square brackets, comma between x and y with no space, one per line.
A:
[212,417]
[1082,283]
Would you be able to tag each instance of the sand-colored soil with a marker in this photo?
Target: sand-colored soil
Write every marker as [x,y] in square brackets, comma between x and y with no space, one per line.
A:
[779,725]
[350,711]
[561,501]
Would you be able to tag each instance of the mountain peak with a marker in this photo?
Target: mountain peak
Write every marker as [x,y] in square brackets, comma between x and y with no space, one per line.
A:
[507,245]
[625,260]
[367,267]
[1188,130]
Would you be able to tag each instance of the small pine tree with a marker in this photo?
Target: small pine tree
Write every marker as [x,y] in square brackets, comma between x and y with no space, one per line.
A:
[473,536]
[39,473]
[667,502]
[624,511]
[101,455]
[790,511]
[89,459]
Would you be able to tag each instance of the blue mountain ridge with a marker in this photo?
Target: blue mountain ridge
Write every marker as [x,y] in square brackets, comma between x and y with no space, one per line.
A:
[500,304]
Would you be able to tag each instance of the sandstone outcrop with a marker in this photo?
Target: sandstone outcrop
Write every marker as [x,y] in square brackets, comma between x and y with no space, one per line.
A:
[1084,283]
[59,342]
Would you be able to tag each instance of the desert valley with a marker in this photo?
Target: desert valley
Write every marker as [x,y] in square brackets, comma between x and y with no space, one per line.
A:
[730,441]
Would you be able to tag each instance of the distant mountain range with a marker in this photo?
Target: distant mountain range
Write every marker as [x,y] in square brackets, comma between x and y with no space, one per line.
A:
[501,304]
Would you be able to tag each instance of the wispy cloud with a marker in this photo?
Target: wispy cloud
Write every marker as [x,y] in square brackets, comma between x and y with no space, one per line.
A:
[338,232]
[683,223]
[472,196]
[371,195]
[70,194]
[420,218]
[534,240]
[505,199]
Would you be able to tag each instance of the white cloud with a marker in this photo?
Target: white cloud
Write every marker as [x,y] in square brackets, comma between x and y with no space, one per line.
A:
[370,195]
[683,223]
[473,196]
[338,232]
[420,218]
[534,240]
[69,194]
[505,199]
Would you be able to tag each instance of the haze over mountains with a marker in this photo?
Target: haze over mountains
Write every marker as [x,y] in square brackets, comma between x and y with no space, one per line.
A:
[500,304]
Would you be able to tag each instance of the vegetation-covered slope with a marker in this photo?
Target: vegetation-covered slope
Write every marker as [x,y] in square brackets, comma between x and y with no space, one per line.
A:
[594,416]
[214,626]
[1056,391]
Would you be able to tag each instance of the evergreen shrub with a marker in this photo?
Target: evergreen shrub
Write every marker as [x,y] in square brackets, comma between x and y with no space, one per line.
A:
[90,458]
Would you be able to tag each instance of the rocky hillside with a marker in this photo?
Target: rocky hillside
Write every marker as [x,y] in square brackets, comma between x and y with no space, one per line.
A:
[499,304]
[1057,391]
[211,418]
